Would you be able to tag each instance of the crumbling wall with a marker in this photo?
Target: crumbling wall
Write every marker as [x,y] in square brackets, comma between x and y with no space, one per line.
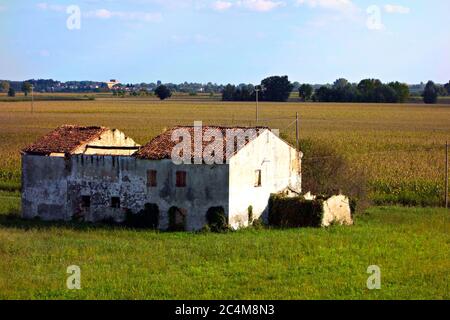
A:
[337,210]
[110,138]
[44,187]
[56,188]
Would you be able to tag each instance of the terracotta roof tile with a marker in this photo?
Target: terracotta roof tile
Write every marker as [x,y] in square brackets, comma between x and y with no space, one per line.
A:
[64,139]
[161,147]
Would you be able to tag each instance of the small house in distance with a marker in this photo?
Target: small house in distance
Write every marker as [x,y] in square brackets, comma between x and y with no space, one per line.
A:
[111,83]
[95,174]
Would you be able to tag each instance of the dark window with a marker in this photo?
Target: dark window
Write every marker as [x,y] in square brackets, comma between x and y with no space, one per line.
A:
[85,201]
[115,202]
[258,178]
[181,179]
[151,178]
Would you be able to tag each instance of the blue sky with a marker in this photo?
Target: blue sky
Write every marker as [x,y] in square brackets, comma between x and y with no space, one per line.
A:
[236,41]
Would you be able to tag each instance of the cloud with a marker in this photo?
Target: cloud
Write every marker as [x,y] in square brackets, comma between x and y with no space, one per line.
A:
[393,8]
[222,5]
[50,7]
[124,15]
[2,8]
[252,5]
[337,5]
[260,5]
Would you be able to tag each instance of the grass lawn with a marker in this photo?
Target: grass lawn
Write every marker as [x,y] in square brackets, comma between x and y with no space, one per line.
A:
[411,246]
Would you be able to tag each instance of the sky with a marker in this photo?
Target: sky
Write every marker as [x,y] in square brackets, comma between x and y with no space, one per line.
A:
[226,41]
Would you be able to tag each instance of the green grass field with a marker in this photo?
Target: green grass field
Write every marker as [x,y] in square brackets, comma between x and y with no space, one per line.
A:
[411,246]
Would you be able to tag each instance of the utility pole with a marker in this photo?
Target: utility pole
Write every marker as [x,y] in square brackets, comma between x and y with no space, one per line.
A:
[32,99]
[257,98]
[297,132]
[446,175]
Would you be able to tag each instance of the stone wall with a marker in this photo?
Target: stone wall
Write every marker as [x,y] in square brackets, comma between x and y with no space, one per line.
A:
[56,188]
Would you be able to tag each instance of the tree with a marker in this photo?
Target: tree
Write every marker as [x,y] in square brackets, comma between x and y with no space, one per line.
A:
[343,91]
[367,89]
[385,94]
[228,93]
[26,88]
[305,91]
[4,86]
[11,92]
[447,87]
[401,89]
[441,90]
[341,84]
[430,94]
[162,92]
[323,94]
[276,88]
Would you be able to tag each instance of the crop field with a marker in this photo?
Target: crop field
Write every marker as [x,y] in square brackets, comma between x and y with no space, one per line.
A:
[400,147]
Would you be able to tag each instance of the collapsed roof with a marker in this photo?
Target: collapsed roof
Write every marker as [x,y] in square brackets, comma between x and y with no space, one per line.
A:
[64,139]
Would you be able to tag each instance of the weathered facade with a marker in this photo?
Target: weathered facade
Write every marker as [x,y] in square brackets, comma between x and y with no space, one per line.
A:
[101,177]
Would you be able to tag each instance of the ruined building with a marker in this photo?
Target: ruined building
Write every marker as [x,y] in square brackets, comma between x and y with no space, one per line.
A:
[95,173]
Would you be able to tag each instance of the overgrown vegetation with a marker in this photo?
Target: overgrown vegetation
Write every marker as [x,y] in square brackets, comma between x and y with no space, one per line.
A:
[325,171]
[217,220]
[295,212]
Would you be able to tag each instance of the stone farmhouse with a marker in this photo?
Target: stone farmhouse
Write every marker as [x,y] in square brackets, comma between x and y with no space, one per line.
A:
[95,174]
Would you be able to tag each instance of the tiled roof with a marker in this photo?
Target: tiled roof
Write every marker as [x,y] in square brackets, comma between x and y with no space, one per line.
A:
[161,147]
[64,139]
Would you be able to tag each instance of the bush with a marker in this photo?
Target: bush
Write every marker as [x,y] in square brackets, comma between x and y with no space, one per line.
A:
[163,92]
[217,220]
[295,212]
[148,218]
[250,215]
[325,171]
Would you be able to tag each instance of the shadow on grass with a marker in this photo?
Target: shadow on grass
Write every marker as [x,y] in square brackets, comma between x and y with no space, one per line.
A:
[13,220]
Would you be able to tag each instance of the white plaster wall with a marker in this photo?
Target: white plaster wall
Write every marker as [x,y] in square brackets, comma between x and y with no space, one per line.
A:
[110,138]
[280,166]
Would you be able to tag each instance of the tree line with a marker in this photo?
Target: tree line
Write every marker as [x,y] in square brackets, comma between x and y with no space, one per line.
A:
[278,88]
[275,88]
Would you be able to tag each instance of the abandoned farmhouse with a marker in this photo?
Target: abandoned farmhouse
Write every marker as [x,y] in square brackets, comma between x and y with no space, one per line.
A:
[95,174]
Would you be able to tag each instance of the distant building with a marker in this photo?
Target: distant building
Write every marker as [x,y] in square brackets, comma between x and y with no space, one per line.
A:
[112,83]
